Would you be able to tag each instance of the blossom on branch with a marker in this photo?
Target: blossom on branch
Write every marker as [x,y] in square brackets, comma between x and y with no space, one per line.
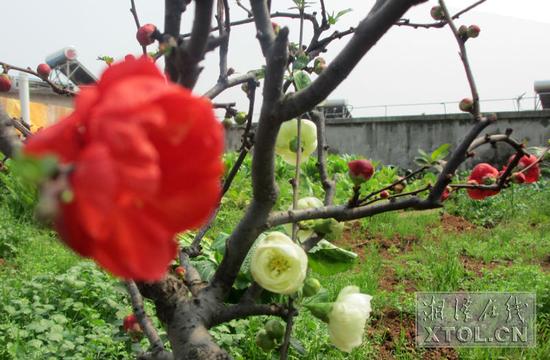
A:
[482,174]
[533,173]
[278,264]
[346,320]
[287,140]
[146,164]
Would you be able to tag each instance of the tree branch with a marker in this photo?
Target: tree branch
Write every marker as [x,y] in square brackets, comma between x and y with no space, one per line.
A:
[368,32]
[328,185]
[56,89]
[263,167]
[133,10]
[193,52]
[9,142]
[145,323]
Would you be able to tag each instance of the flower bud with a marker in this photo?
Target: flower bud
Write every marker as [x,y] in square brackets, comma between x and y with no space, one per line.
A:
[241,117]
[275,329]
[145,33]
[264,341]
[311,287]
[44,70]
[473,31]
[466,105]
[437,13]
[180,272]
[5,83]
[360,171]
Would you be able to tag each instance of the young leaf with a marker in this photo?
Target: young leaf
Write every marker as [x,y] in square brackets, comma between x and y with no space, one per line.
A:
[327,259]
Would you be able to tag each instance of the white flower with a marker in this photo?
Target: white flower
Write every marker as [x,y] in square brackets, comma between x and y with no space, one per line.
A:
[278,264]
[305,227]
[347,318]
[287,145]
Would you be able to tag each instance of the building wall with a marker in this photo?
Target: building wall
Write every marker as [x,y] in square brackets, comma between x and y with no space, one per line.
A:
[396,140]
[45,109]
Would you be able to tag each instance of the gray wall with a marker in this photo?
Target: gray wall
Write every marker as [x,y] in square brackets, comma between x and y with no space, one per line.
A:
[396,140]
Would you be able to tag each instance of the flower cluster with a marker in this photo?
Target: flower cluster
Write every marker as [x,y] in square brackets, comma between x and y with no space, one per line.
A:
[485,174]
[146,164]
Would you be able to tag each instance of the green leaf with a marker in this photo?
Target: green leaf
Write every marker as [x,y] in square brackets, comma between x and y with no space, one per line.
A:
[300,62]
[298,346]
[205,268]
[441,152]
[327,259]
[301,79]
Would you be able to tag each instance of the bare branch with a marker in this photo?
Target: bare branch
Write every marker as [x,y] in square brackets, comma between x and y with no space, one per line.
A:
[241,311]
[144,321]
[465,61]
[288,331]
[9,142]
[229,83]
[263,169]
[264,29]
[193,52]
[328,185]
[369,31]
[133,10]
[56,89]
[438,24]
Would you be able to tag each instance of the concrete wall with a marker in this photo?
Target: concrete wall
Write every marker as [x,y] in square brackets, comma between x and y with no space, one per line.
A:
[396,140]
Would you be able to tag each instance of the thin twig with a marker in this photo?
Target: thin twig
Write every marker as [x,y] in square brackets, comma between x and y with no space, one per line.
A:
[133,10]
[296,180]
[398,181]
[288,331]
[144,321]
[438,24]
[55,87]
[476,111]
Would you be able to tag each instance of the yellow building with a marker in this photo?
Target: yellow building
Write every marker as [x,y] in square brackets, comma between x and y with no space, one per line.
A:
[46,107]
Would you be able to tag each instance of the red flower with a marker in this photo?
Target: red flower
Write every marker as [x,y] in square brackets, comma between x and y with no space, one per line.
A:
[360,170]
[533,173]
[147,165]
[482,174]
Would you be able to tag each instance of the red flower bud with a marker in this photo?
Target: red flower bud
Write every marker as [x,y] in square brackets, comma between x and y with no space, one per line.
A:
[180,271]
[482,174]
[360,170]
[145,33]
[5,83]
[437,13]
[44,70]
[130,324]
[533,173]
[446,193]
[466,105]
[384,194]
[473,31]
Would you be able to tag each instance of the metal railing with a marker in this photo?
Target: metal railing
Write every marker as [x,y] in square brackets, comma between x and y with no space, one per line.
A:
[520,103]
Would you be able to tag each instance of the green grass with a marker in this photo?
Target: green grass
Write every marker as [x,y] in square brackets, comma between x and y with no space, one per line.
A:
[55,305]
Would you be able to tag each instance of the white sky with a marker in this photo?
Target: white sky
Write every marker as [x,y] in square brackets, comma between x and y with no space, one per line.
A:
[406,66]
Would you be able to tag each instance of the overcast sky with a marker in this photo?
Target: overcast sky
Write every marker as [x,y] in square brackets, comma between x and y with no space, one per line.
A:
[406,66]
